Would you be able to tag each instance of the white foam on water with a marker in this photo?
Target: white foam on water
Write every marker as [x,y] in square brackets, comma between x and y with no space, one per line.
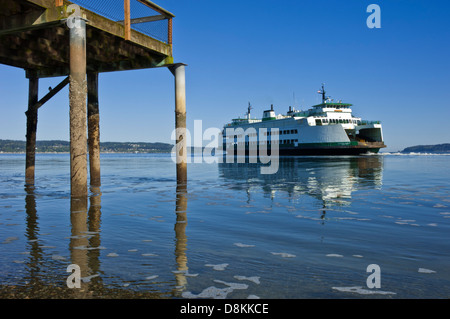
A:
[58,257]
[426,271]
[409,154]
[253,297]
[88,248]
[151,277]
[90,232]
[363,291]
[243,245]
[218,267]
[112,255]
[334,255]
[254,279]
[184,272]
[210,292]
[232,285]
[284,255]
[149,255]
[88,278]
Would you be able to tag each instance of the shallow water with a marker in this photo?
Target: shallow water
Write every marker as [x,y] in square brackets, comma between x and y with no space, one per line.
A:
[308,231]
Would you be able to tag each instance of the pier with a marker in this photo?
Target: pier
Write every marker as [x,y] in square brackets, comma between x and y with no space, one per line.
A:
[78,40]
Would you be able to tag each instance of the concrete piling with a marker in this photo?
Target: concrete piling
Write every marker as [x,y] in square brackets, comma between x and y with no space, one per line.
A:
[178,71]
[78,110]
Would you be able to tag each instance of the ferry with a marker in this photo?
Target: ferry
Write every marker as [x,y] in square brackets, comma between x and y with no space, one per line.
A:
[328,128]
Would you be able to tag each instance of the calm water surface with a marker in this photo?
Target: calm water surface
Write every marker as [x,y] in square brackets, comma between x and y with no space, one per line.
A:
[309,231]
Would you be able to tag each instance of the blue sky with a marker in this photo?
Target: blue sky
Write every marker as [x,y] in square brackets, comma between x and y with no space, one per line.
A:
[266,52]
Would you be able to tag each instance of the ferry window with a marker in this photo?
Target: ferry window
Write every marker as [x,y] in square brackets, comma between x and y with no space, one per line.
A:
[340,120]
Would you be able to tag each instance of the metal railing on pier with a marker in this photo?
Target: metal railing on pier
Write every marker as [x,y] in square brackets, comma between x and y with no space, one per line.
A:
[141,15]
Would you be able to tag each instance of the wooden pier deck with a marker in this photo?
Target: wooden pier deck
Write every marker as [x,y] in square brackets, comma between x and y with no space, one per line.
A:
[78,40]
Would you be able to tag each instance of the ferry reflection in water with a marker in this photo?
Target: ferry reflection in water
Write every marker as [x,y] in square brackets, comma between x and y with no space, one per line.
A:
[331,180]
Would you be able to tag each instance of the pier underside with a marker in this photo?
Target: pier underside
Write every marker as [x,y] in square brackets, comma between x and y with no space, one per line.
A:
[58,38]
[35,37]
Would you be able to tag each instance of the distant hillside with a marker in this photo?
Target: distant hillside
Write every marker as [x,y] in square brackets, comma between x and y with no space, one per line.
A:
[439,148]
[12,146]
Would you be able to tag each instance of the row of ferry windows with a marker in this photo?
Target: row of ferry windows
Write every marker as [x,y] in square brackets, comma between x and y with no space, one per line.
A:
[280,132]
[269,142]
[341,121]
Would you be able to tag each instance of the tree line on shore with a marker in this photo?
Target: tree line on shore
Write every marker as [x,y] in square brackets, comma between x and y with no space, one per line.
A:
[56,146]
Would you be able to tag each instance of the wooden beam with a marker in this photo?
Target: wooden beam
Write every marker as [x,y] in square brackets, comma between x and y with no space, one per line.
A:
[157,8]
[127,12]
[169,31]
[146,19]
[32,118]
[30,27]
[93,129]
[52,93]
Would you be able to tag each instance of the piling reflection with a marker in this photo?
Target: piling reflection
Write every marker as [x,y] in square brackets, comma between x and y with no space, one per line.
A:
[94,223]
[180,237]
[84,243]
[331,180]
[32,233]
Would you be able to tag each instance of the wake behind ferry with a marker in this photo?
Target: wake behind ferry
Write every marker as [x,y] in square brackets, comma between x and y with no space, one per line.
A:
[328,128]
